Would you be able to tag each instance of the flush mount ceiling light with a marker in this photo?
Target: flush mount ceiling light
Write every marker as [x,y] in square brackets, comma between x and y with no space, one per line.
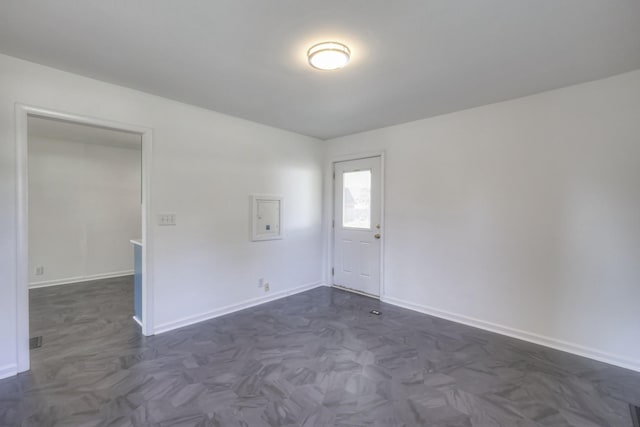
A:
[328,56]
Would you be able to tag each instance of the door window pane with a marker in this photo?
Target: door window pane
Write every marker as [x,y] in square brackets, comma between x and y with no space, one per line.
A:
[356,199]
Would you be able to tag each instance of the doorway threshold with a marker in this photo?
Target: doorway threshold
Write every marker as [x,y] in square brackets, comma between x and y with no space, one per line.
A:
[355,291]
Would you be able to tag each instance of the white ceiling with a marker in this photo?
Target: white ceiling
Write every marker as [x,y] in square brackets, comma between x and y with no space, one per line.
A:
[66,131]
[411,58]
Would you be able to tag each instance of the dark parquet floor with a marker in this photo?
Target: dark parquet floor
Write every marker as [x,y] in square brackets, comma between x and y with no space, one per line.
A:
[313,359]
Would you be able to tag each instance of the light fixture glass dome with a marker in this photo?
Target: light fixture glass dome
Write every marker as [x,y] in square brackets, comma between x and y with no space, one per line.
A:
[328,55]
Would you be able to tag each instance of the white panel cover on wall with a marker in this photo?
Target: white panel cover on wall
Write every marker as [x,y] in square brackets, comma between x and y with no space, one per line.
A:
[266,214]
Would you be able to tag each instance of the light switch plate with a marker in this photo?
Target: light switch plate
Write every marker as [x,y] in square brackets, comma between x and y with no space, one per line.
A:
[167,218]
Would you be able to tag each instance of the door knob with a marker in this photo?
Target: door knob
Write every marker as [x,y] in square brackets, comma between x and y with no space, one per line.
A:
[377,235]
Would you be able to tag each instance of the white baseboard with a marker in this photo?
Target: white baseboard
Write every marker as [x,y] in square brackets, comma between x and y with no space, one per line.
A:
[8,371]
[557,344]
[79,279]
[168,326]
[137,321]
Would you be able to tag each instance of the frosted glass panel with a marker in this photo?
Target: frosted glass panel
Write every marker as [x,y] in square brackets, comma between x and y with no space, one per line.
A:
[356,199]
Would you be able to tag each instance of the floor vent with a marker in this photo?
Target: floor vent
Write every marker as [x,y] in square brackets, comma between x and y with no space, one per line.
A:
[376,312]
[635,415]
[35,342]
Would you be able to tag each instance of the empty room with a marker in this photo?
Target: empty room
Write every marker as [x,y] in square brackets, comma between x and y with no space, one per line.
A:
[320,213]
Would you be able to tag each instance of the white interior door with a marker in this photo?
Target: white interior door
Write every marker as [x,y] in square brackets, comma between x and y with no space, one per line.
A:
[357,228]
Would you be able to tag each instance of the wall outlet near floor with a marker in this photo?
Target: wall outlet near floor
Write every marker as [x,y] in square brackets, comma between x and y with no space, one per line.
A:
[260,282]
[39,271]
[266,287]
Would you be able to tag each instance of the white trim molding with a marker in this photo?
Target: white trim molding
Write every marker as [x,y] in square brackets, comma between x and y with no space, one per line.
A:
[79,279]
[190,320]
[556,344]
[7,371]
[135,319]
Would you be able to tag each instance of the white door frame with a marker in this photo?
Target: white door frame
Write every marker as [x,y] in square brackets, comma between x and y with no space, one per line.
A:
[331,222]
[22,218]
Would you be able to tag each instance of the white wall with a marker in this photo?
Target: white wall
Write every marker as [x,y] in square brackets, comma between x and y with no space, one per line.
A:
[205,165]
[84,207]
[522,216]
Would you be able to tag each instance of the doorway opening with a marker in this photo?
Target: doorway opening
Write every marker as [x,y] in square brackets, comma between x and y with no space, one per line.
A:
[357,225]
[83,199]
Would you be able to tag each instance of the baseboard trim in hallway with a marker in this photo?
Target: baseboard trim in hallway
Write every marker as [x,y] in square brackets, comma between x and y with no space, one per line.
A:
[556,344]
[79,279]
[186,321]
[7,371]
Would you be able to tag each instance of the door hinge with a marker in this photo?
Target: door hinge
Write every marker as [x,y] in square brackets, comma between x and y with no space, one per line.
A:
[332,271]
[333,223]
[334,175]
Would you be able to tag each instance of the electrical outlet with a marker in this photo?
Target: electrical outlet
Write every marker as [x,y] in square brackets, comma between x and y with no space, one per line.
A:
[39,271]
[260,282]
[266,287]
